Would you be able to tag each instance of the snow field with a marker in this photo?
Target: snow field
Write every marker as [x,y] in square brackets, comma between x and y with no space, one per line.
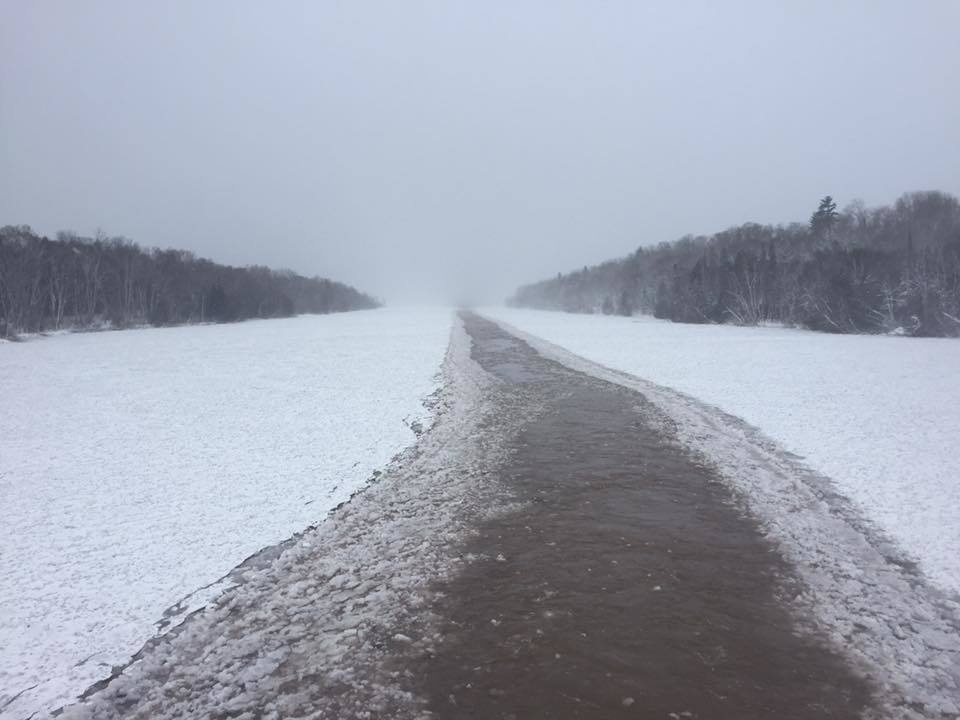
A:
[137,467]
[320,631]
[880,416]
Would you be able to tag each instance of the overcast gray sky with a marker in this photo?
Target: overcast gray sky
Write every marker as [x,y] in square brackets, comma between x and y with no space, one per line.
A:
[422,149]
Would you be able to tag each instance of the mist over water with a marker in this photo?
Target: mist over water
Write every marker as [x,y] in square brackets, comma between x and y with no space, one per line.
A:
[448,152]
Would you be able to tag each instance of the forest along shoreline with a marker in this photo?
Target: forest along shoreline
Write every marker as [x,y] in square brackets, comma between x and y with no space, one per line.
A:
[627,582]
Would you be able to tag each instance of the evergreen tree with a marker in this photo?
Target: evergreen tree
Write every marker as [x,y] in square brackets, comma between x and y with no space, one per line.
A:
[826,216]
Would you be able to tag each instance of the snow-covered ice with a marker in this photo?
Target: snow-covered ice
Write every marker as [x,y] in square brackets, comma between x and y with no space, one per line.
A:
[880,416]
[321,630]
[137,467]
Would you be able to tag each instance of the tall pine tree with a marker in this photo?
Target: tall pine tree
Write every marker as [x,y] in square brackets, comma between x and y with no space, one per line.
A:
[826,216]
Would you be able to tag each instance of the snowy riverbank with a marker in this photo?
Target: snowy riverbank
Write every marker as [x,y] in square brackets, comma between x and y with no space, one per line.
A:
[139,466]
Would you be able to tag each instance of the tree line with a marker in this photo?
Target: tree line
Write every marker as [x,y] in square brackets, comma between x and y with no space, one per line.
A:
[893,269]
[83,282]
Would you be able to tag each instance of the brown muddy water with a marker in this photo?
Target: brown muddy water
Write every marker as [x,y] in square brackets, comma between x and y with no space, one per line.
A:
[628,585]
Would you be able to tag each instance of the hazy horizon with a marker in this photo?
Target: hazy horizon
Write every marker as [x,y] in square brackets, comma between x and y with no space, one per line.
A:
[441,151]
